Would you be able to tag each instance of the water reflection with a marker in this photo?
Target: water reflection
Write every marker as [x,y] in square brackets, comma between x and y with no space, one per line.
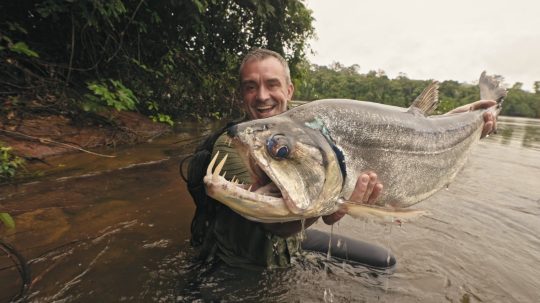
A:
[531,138]
[514,130]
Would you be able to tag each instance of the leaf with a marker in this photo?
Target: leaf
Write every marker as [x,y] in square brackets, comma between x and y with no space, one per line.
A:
[200,6]
[16,27]
[22,48]
[7,220]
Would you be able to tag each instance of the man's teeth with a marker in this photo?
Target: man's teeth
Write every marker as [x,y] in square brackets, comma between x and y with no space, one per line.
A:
[265,108]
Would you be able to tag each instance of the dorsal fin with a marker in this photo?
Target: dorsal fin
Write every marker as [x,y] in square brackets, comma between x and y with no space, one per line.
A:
[427,101]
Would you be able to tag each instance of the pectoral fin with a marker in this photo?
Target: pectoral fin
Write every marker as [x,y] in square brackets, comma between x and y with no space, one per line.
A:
[386,214]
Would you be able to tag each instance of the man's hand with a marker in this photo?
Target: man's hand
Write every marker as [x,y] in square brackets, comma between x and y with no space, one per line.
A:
[489,119]
[366,191]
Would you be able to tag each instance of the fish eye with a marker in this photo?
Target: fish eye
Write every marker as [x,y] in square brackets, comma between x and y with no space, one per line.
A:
[278,147]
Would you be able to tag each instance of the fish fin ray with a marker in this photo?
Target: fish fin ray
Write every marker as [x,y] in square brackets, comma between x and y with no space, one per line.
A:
[427,101]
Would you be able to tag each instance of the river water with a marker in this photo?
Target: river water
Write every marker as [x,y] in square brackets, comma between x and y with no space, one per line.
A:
[117,230]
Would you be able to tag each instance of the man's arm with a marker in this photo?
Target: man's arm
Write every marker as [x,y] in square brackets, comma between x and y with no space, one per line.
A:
[489,119]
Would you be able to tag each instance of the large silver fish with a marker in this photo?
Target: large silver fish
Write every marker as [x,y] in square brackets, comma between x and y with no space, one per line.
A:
[313,154]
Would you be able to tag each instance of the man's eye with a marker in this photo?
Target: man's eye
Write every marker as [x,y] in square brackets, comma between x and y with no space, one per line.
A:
[250,87]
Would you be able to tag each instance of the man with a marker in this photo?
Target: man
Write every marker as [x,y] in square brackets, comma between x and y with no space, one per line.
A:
[266,89]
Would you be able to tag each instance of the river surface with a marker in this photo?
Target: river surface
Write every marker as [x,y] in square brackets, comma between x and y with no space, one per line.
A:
[117,230]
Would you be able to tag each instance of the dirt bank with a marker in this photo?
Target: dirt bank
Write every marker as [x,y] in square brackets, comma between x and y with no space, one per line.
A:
[40,136]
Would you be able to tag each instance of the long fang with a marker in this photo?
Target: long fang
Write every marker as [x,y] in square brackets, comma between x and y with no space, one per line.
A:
[211,165]
[220,165]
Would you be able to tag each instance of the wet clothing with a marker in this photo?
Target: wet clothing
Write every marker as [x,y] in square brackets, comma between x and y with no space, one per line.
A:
[222,234]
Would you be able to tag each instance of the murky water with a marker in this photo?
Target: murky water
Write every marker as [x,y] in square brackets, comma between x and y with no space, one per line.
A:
[114,230]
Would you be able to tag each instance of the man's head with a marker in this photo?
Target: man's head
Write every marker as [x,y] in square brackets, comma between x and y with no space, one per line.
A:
[265,83]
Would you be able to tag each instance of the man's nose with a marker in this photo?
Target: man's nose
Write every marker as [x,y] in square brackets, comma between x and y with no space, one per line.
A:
[263,93]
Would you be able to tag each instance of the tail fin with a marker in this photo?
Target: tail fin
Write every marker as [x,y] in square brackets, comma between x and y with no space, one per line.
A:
[490,89]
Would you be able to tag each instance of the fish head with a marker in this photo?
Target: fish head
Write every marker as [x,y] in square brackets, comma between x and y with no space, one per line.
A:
[298,160]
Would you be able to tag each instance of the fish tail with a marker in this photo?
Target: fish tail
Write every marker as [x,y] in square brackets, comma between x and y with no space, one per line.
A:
[491,89]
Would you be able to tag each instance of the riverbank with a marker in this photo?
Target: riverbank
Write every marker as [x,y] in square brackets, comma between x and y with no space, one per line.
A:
[44,135]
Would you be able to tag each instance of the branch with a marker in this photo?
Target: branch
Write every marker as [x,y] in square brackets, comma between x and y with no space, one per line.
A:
[22,268]
[72,49]
[48,141]
[124,30]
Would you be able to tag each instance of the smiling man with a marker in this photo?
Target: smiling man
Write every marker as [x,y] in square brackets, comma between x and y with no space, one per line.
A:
[266,85]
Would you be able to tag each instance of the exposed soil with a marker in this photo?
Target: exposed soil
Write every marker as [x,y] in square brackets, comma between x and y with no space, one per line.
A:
[40,136]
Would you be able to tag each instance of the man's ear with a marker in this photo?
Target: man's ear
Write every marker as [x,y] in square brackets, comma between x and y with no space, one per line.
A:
[290,91]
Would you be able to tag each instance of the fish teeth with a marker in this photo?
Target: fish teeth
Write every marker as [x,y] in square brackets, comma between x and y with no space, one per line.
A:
[220,166]
[211,165]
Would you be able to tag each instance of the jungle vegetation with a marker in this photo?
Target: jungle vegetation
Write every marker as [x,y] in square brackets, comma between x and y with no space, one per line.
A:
[167,58]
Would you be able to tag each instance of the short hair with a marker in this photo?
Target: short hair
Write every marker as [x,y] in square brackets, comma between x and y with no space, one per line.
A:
[260,54]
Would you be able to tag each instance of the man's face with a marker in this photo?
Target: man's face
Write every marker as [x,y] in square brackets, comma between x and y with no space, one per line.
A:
[265,91]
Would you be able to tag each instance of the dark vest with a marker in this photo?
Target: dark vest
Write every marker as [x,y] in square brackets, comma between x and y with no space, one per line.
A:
[221,234]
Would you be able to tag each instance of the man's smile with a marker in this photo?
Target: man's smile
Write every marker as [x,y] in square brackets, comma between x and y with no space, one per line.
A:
[265,108]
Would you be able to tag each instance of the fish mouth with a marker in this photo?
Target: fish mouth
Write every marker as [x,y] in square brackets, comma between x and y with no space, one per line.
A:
[261,203]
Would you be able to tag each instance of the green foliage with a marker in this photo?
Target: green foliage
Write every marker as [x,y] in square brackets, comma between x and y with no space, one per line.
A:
[157,116]
[22,48]
[18,47]
[163,118]
[7,220]
[521,103]
[10,164]
[113,94]
[182,55]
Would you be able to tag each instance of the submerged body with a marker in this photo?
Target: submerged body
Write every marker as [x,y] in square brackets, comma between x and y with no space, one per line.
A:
[314,153]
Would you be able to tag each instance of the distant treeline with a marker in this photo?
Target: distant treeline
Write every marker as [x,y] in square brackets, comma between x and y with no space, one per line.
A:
[173,58]
[339,81]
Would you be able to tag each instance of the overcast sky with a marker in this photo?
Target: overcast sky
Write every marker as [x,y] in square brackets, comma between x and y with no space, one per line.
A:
[431,39]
